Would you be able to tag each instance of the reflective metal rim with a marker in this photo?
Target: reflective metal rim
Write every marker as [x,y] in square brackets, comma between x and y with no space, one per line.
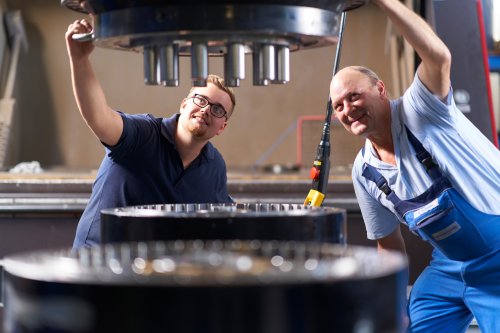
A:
[301,27]
[81,5]
[124,263]
[217,210]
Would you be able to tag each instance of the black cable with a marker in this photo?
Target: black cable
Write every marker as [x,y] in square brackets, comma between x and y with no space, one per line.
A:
[321,165]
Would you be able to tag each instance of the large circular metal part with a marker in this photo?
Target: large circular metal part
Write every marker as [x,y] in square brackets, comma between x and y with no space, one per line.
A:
[264,221]
[165,30]
[206,286]
[99,6]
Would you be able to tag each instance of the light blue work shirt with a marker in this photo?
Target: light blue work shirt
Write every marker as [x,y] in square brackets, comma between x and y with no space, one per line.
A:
[469,160]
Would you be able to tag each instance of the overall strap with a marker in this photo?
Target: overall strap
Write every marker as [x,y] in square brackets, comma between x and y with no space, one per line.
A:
[370,173]
[423,156]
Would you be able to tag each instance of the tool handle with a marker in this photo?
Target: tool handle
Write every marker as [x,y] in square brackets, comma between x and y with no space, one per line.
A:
[321,167]
[85,37]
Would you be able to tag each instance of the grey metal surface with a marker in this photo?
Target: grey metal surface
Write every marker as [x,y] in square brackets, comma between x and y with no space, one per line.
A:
[454,19]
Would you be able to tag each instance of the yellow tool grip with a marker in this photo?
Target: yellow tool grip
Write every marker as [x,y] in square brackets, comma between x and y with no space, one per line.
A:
[314,198]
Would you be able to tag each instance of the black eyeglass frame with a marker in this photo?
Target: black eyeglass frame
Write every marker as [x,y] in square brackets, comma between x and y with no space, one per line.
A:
[204,98]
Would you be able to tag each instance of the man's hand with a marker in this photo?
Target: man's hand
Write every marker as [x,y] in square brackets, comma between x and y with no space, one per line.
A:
[78,50]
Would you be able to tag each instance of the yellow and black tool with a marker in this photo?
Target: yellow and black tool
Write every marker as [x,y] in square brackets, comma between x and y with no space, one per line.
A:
[321,166]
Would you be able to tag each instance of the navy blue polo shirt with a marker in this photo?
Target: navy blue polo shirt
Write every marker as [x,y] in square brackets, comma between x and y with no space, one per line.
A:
[145,168]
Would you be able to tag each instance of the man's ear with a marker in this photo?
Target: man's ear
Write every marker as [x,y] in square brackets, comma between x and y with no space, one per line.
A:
[183,105]
[381,88]
[221,129]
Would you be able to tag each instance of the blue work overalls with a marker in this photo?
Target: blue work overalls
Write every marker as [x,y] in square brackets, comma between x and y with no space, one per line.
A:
[463,278]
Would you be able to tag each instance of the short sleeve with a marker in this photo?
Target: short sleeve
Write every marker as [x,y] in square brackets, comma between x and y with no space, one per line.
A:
[379,220]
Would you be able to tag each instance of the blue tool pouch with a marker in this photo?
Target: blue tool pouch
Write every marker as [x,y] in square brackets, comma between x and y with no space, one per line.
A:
[446,228]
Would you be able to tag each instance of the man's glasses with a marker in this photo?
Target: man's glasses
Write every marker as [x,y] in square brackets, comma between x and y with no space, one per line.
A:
[215,109]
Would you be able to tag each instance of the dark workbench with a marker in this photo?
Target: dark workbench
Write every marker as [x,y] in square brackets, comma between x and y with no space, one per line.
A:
[68,192]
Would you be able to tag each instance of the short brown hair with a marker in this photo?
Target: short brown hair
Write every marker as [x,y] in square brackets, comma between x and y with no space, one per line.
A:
[219,83]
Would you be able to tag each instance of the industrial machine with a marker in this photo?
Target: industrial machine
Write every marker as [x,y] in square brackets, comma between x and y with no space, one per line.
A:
[245,221]
[206,286]
[165,30]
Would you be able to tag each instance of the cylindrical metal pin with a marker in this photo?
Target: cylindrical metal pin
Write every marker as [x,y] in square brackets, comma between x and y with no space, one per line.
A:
[264,67]
[150,65]
[234,64]
[199,64]
[169,65]
[282,65]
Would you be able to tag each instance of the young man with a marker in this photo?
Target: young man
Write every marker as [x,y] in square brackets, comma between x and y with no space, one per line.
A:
[149,160]
[426,165]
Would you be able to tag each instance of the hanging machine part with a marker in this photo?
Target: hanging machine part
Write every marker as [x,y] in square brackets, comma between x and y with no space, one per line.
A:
[164,30]
[321,166]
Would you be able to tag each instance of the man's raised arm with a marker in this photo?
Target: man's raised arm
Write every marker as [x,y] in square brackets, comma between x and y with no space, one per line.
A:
[106,123]
[434,70]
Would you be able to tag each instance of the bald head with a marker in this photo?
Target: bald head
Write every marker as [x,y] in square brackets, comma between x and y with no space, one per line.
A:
[357,72]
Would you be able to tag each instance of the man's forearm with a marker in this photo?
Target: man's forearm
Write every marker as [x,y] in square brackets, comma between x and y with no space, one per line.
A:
[436,59]
[103,121]
[393,241]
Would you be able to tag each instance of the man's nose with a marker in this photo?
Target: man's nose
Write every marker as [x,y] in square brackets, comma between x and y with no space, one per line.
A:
[348,108]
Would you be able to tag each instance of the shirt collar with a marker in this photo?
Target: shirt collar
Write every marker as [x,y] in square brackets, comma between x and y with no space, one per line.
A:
[168,127]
